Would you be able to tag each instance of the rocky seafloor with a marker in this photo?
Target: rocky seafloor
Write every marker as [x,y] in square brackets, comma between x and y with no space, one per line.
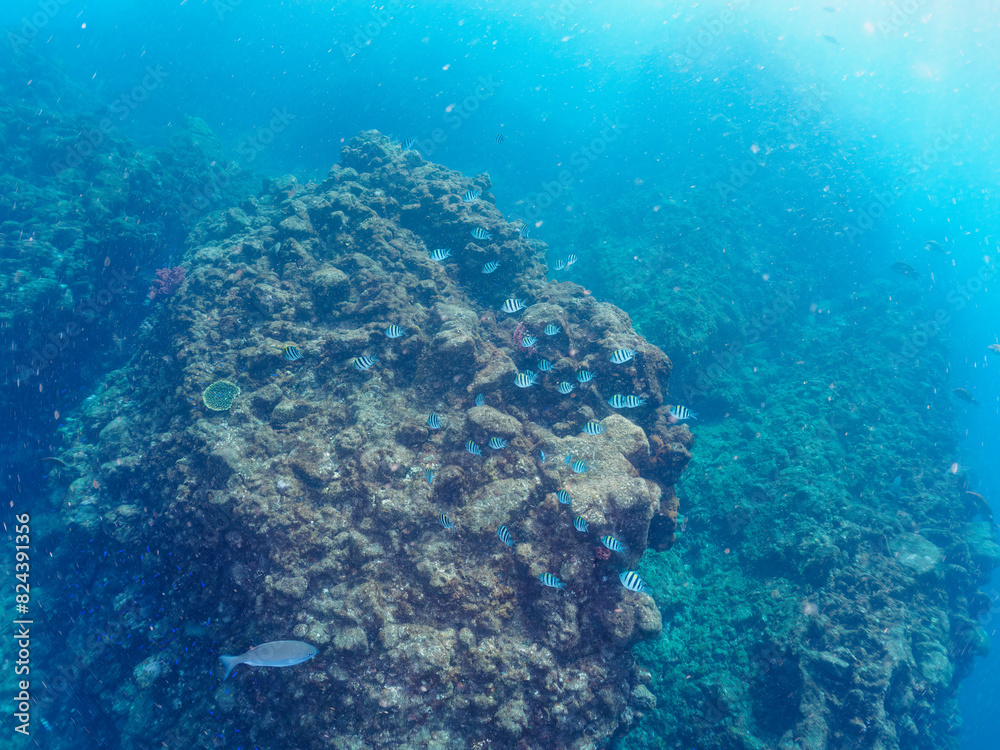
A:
[303,511]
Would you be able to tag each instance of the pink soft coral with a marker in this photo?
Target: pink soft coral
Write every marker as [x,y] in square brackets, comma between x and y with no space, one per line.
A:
[167,281]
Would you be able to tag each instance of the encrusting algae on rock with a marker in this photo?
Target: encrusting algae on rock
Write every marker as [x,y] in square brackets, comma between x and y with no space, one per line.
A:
[309,512]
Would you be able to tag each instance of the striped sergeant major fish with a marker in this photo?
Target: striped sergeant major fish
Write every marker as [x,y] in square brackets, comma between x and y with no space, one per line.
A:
[497,443]
[473,447]
[434,422]
[593,428]
[481,234]
[491,266]
[363,363]
[395,332]
[440,254]
[409,143]
[551,329]
[429,475]
[564,497]
[618,401]
[528,341]
[578,467]
[544,365]
[584,376]
[621,356]
[565,388]
[571,260]
[526,379]
[471,195]
[631,580]
[504,533]
[680,413]
[580,524]
[612,544]
[446,522]
[480,399]
[513,305]
[292,353]
[550,580]
[560,265]
[500,138]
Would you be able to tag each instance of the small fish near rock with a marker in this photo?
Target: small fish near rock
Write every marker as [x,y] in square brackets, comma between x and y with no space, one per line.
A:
[680,413]
[394,331]
[271,654]
[631,580]
[552,581]
[963,394]
[363,363]
[513,305]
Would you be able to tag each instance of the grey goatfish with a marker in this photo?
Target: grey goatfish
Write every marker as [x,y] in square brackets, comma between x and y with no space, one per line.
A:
[272,654]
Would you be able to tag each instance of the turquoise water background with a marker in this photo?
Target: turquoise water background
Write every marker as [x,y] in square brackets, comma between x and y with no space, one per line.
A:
[912,85]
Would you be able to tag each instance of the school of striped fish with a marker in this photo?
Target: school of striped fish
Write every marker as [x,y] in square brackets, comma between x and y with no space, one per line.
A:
[527,379]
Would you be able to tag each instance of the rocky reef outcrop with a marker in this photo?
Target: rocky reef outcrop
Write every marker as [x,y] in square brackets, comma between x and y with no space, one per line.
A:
[309,509]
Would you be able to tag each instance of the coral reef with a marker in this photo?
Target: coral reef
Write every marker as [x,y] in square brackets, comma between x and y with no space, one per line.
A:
[85,215]
[304,512]
[807,602]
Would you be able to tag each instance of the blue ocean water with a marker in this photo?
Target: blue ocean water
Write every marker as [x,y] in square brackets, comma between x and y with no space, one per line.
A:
[821,145]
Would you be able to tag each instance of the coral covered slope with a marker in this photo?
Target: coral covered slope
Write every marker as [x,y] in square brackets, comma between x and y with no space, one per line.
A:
[309,508]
